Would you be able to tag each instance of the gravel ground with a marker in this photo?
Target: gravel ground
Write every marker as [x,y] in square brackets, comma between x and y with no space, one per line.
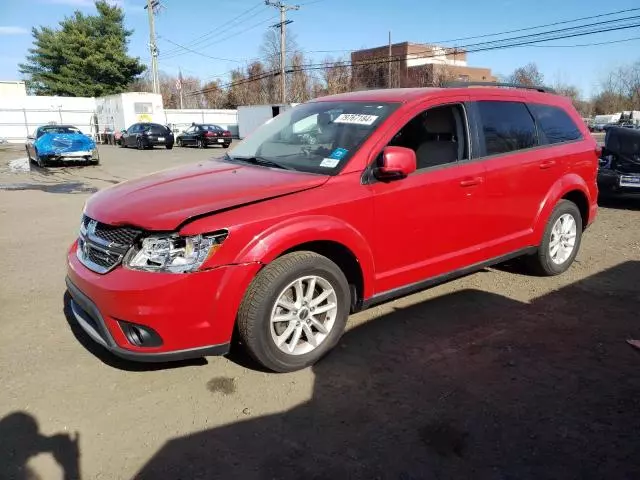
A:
[496,375]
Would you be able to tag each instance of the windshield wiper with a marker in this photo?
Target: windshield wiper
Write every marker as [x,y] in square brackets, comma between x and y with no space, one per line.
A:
[265,162]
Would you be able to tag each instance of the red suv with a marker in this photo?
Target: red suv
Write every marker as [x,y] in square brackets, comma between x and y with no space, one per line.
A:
[331,207]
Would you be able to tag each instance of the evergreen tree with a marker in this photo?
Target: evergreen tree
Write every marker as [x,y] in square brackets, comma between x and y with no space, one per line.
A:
[85,57]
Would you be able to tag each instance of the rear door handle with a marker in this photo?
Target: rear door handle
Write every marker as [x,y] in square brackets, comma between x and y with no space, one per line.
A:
[470,181]
[547,164]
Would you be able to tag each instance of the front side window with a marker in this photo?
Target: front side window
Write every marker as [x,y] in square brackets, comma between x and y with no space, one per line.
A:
[554,125]
[437,135]
[133,129]
[507,126]
[316,137]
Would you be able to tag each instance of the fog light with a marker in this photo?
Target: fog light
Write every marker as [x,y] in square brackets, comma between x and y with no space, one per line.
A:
[139,335]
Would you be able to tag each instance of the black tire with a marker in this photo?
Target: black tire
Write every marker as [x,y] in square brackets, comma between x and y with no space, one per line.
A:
[226,145]
[28,154]
[39,160]
[541,262]
[254,315]
[200,143]
[122,143]
[139,144]
[179,142]
[169,147]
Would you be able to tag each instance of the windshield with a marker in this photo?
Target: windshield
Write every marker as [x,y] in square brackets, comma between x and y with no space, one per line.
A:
[317,137]
[58,129]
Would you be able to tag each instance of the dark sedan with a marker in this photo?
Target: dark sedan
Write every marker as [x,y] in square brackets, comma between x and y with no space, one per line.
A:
[204,135]
[619,171]
[147,135]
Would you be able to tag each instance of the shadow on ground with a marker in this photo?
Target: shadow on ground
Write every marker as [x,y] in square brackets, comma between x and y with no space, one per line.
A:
[20,440]
[468,385]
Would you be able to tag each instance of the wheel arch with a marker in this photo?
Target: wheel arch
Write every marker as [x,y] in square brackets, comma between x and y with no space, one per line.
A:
[327,236]
[570,187]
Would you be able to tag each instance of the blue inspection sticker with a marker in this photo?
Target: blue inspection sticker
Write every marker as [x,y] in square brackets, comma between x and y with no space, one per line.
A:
[339,153]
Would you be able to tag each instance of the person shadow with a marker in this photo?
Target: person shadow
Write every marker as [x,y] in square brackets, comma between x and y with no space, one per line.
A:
[20,440]
[467,385]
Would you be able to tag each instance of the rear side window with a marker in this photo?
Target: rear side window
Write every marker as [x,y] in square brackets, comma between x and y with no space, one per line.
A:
[554,125]
[507,126]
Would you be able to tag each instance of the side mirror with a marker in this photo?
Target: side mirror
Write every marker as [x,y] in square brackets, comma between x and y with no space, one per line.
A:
[397,163]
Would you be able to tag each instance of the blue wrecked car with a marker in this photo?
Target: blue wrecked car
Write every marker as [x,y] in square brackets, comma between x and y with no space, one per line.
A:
[61,143]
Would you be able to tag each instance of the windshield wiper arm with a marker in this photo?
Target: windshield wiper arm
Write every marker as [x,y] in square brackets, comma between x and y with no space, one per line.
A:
[261,161]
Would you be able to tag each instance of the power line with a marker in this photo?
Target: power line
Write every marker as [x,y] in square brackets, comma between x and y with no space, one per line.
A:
[478,47]
[214,40]
[198,53]
[217,29]
[586,44]
[487,35]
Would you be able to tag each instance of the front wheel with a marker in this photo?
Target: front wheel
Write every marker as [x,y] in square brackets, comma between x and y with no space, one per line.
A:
[179,142]
[294,311]
[139,144]
[561,241]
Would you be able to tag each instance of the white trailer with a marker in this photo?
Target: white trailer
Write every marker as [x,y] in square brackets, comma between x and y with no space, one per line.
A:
[250,117]
[119,112]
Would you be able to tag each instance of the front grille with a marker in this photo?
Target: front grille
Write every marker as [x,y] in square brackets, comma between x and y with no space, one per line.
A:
[120,235]
[101,247]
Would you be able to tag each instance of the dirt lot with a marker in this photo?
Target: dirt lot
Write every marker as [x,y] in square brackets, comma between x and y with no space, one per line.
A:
[497,375]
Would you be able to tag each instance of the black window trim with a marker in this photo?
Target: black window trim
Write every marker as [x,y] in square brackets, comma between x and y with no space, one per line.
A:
[369,178]
[479,135]
[536,122]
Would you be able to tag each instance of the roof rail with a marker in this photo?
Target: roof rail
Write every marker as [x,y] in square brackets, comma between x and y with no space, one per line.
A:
[462,84]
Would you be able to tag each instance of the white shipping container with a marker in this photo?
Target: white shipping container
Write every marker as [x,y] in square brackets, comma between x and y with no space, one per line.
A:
[119,112]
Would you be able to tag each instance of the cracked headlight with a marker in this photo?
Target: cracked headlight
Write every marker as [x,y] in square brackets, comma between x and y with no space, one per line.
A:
[173,253]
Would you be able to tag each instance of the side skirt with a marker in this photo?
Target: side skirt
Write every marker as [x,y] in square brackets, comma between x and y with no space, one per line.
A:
[445,277]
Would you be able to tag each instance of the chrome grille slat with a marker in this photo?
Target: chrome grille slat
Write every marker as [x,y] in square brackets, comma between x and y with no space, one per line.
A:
[101,247]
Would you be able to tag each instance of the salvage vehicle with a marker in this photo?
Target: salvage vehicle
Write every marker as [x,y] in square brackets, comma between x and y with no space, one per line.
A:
[619,171]
[61,143]
[147,135]
[280,240]
[204,135]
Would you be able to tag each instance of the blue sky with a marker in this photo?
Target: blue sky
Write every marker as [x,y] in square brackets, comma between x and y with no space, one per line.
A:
[341,25]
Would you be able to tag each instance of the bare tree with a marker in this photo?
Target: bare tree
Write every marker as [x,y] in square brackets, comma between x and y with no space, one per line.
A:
[528,75]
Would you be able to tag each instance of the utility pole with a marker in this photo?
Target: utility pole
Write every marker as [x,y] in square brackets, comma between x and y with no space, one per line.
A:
[179,85]
[151,7]
[283,55]
[389,78]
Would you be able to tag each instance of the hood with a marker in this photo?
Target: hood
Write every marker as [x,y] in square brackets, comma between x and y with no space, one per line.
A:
[166,199]
[64,142]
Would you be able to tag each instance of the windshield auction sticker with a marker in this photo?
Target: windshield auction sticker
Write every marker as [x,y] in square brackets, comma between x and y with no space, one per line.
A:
[356,119]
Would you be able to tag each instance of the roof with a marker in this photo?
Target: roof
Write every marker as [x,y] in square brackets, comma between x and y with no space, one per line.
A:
[402,95]
[408,95]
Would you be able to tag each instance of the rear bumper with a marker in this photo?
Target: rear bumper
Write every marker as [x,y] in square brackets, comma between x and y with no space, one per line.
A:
[215,141]
[609,183]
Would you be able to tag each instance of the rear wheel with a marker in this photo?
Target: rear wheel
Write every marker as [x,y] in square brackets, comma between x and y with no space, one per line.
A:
[169,147]
[179,142]
[200,143]
[139,144]
[122,143]
[560,243]
[294,311]
[226,145]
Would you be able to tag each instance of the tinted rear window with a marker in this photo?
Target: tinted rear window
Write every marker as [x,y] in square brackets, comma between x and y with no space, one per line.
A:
[210,128]
[507,126]
[154,128]
[554,125]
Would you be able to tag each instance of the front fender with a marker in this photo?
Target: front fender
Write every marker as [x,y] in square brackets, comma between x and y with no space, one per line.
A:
[568,183]
[290,233]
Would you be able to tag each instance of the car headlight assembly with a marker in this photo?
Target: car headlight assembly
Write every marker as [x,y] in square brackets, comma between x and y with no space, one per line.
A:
[174,253]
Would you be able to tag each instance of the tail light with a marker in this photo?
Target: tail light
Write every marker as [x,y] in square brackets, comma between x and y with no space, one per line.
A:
[209,134]
[226,133]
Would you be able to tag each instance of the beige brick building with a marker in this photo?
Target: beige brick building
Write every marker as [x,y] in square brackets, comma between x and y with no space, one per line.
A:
[414,65]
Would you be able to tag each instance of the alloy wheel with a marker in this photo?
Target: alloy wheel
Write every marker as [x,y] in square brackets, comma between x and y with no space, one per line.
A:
[303,315]
[563,239]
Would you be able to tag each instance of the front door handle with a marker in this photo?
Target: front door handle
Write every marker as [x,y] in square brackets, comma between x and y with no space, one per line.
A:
[547,164]
[471,181]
